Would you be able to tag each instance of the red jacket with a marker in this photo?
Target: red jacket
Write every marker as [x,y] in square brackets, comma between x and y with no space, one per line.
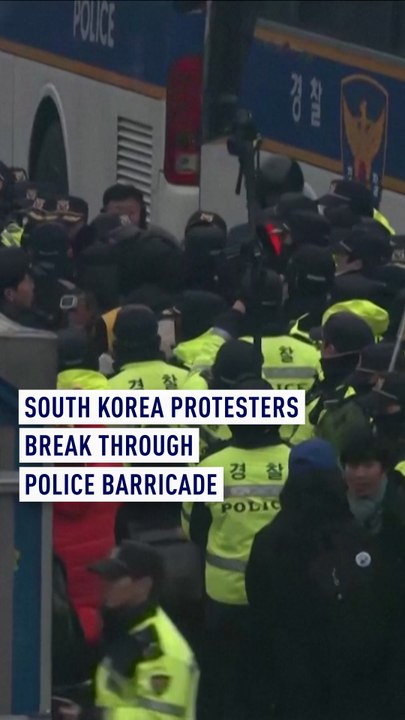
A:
[83,532]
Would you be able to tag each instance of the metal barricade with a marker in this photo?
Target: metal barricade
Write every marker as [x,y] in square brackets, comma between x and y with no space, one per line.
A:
[28,362]
[25,601]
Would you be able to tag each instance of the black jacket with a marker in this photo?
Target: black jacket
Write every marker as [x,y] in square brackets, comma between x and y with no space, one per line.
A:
[98,273]
[392,534]
[327,605]
[70,656]
[29,318]
[147,257]
[356,284]
[49,290]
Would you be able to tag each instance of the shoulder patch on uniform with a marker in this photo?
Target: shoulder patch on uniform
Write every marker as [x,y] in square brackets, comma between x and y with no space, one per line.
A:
[160,683]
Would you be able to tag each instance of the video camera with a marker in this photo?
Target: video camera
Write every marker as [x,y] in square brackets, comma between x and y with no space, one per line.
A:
[244,143]
[244,131]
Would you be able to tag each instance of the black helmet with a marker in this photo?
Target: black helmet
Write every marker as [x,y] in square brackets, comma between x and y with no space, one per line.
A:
[277,176]
[262,288]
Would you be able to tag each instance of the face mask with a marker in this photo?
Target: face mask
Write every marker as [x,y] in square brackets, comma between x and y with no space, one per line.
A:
[116,621]
[362,385]
[339,365]
[390,426]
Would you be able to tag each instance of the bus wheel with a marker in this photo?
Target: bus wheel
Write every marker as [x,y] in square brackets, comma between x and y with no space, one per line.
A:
[47,160]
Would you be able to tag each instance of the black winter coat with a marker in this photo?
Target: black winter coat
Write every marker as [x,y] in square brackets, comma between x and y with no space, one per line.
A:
[328,607]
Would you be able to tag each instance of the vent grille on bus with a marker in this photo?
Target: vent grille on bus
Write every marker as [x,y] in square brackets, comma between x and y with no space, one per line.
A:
[134,155]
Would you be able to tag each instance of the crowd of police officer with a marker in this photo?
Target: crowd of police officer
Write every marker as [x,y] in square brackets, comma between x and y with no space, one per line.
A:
[289,595]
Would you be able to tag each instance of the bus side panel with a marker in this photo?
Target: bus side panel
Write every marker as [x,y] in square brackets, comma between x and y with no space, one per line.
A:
[218,188]
[6,114]
[219,173]
[175,205]
[89,113]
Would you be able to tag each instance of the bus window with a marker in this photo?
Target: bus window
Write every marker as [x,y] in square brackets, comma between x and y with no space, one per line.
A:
[282,11]
[187,6]
[231,30]
[366,24]
[324,83]
[398,24]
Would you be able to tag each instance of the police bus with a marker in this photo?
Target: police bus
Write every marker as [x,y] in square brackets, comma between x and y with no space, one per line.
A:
[324,81]
[98,91]
[144,92]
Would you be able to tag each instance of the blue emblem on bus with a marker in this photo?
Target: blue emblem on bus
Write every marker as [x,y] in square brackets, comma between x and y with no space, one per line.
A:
[364,122]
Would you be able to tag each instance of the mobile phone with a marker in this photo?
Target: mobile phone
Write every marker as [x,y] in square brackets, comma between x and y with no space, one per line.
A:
[167,335]
[68,302]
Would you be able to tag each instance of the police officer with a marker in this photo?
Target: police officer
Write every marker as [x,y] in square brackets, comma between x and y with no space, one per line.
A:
[380,263]
[347,414]
[148,671]
[278,176]
[344,336]
[373,365]
[140,366]
[73,213]
[6,186]
[354,196]
[235,360]
[156,300]
[386,405]
[337,366]
[375,316]
[138,361]
[96,264]
[310,276]
[289,363]
[205,267]
[361,255]
[281,235]
[196,312]
[52,271]
[12,234]
[78,363]
[255,468]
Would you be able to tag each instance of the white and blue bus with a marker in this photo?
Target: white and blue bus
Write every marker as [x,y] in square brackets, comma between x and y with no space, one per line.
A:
[94,92]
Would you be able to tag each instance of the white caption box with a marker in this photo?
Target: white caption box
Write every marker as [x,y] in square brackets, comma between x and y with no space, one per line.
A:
[164,407]
[109,445]
[81,484]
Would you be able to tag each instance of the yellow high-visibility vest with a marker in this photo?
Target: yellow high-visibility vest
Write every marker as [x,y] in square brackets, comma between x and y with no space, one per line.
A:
[377,215]
[253,479]
[161,685]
